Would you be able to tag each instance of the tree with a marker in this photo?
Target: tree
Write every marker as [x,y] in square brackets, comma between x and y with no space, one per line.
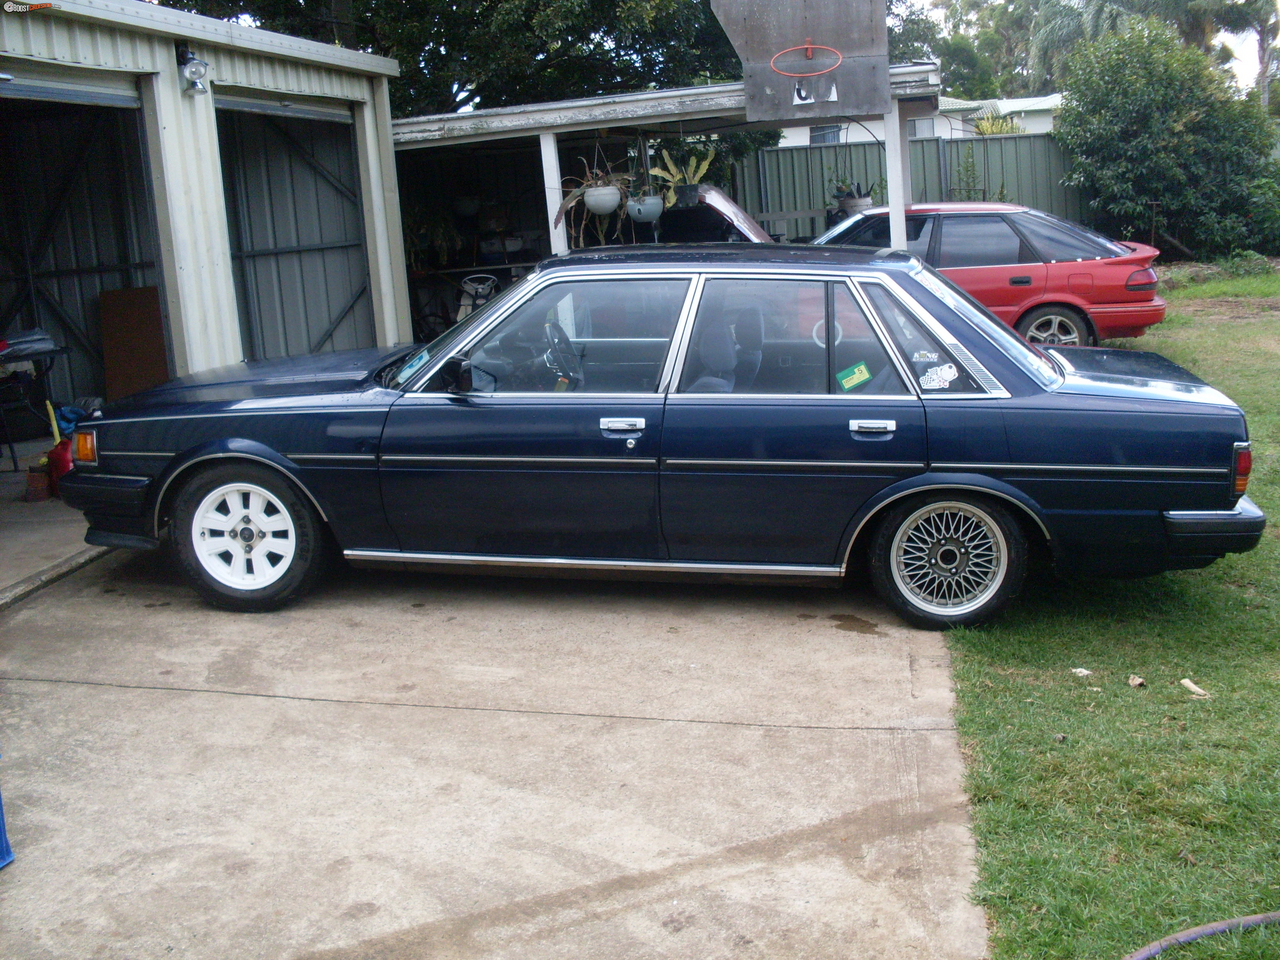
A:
[1149,119]
[966,73]
[495,53]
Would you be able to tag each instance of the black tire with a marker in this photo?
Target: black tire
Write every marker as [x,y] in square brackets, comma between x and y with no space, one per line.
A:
[948,559]
[268,562]
[1057,325]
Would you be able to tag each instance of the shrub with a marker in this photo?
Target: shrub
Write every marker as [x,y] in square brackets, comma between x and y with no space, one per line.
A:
[1149,119]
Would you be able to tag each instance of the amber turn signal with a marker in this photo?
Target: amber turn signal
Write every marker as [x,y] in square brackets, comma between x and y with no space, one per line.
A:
[1243,467]
[85,446]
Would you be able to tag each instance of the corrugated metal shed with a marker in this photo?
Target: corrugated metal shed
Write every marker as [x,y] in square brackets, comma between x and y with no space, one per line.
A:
[169,204]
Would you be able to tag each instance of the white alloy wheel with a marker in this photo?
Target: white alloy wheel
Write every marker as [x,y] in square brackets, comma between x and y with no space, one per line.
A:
[949,558]
[243,536]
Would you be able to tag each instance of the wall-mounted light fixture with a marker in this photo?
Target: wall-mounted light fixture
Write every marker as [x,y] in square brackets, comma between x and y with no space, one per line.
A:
[193,71]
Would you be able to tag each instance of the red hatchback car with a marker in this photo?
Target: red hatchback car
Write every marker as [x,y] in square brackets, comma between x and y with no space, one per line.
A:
[1052,280]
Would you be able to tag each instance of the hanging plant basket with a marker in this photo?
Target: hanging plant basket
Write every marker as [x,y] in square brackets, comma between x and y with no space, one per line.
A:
[602,201]
[645,209]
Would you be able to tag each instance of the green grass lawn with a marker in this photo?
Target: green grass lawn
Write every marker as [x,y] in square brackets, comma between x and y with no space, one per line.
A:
[1108,816]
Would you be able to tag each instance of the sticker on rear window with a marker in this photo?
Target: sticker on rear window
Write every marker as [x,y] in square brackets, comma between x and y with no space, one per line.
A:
[855,375]
[924,356]
[939,378]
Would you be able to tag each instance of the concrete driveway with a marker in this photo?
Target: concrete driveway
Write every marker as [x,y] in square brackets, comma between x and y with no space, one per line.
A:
[415,766]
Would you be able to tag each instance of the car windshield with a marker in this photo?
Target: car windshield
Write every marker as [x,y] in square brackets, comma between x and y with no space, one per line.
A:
[1032,361]
[398,376]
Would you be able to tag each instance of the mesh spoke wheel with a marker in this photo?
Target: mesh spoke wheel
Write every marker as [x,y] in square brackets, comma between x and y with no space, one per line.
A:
[949,558]
[243,536]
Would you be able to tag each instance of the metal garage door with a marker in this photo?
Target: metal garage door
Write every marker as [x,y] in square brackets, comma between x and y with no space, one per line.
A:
[297,231]
[76,219]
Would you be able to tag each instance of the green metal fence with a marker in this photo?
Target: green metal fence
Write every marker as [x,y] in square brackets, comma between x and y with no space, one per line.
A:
[789,188]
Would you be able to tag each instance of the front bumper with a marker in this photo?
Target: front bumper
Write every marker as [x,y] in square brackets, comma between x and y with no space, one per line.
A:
[1126,319]
[1201,533]
[115,506]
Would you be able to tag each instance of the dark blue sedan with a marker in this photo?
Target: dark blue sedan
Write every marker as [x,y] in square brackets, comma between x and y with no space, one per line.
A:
[741,411]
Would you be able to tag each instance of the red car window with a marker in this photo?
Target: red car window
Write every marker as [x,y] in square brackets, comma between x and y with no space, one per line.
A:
[980,242]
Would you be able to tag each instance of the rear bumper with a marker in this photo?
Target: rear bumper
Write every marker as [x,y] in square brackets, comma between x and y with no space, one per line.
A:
[1126,319]
[115,506]
[1215,532]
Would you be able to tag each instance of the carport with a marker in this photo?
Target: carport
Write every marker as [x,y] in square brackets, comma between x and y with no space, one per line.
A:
[501,171]
[156,226]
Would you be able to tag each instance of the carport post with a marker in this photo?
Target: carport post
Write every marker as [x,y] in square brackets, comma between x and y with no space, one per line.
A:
[384,238]
[897,158]
[191,217]
[555,194]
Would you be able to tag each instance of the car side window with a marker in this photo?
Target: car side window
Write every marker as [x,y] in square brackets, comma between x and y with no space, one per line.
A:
[758,336]
[874,235]
[859,362]
[1057,240]
[600,336]
[936,369]
[987,241]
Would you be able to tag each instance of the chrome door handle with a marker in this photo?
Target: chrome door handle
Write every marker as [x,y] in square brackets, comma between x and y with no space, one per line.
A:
[873,426]
[622,425]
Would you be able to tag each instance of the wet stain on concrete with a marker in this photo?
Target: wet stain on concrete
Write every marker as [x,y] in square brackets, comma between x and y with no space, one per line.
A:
[358,911]
[847,621]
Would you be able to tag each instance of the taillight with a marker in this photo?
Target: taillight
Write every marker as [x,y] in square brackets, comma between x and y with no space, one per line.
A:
[84,448]
[1243,466]
[1144,279]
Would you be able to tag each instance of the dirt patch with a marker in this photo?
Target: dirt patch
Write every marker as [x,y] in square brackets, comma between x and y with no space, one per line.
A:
[1230,309]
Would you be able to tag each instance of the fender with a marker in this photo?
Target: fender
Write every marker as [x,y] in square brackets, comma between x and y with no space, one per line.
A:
[225,449]
[972,482]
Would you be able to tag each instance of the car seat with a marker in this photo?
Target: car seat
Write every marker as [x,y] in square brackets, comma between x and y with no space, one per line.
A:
[716,352]
[748,331]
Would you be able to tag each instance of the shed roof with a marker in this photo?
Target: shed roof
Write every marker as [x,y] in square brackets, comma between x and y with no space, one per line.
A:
[684,110]
[150,18]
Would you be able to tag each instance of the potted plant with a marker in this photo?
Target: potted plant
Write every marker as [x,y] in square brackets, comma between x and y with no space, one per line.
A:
[646,207]
[849,196]
[601,192]
[683,181]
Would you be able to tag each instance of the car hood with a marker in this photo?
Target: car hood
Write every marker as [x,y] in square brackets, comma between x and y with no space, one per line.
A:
[322,373]
[1132,373]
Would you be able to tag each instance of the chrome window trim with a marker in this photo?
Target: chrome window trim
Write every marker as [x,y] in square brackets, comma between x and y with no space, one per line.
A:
[536,284]
[799,276]
[906,373]
[566,563]
[1081,468]
[993,387]
[681,337]
[774,397]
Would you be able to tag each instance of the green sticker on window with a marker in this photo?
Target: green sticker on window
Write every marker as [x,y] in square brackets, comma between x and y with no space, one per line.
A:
[853,376]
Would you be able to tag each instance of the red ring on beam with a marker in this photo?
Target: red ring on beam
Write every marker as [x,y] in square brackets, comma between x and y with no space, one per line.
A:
[810,47]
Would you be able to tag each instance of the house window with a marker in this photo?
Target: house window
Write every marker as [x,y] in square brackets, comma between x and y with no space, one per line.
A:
[920,128]
[828,133]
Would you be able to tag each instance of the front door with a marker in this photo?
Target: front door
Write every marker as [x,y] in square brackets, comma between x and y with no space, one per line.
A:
[554,451]
[789,415]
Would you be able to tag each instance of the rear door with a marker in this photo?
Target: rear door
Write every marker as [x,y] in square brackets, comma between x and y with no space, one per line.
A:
[789,413]
[985,256]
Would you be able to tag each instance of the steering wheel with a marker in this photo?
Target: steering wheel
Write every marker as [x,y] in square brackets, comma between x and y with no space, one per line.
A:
[561,356]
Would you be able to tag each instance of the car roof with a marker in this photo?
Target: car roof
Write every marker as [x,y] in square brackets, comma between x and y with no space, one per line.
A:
[955,207]
[837,259]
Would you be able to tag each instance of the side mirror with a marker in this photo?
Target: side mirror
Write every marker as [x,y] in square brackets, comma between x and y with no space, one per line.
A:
[456,374]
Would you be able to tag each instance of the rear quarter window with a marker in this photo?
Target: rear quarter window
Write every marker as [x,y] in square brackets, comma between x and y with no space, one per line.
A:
[1062,240]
